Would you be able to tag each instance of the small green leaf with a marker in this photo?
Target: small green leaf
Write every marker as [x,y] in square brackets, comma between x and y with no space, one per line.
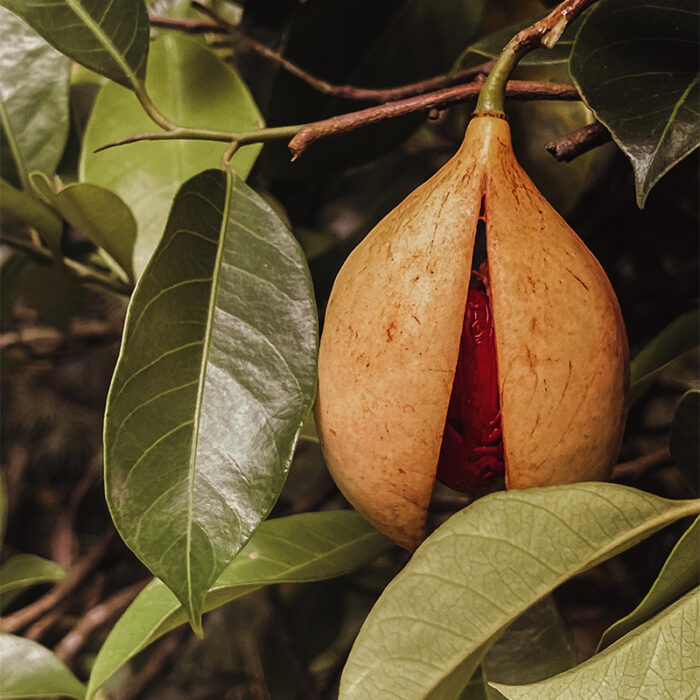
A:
[110,38]
[659,659]
[216,375]
[684,439]
[97,213]
[636,66]
[482,569]
[491,45]
[305,547]
[192,86]
[25,570]
[679,574]
[680,336]
[33,102]
[30,670]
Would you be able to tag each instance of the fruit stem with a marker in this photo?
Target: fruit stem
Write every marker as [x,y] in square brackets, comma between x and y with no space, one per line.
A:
[546,32]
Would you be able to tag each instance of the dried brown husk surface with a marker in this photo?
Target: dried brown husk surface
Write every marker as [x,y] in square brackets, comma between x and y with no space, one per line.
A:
[392,330]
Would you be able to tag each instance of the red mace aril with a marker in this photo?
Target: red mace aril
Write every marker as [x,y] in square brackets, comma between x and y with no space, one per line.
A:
[537,390]
[471,455]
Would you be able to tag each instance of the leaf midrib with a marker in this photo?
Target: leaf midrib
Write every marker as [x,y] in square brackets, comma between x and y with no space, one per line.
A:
[204,363]
[658,522]
[106,42]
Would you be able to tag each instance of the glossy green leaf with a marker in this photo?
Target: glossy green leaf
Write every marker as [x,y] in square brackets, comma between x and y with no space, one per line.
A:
[216,375]
[30,670]
[636,64]
[684,438]
[33,101]
[100,215]
[482,569]
[25,570]
[657,660]
[193,87]
[108,37]
[492,44]
[680,573]
[305,547]
[680,336]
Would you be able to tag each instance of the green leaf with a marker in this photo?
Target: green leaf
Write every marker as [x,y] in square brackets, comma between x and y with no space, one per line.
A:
[657,660]
[25,570]
[305,547]
[482,569]
[684,438]
[110,38]
[636,66]
[33,101]
[193,87]
[492,44]
[679,574]
[97,213]
[680,336]
[216,375]
[30,670]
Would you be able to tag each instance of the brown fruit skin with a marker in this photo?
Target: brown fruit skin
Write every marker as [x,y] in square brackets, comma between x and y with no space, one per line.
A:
[392,329]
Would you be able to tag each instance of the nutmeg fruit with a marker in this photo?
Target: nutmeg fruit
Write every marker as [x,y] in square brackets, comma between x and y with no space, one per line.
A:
[394,327]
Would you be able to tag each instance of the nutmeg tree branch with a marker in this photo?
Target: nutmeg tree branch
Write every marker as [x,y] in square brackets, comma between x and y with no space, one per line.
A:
[303,135]
[546,32]
[578,142]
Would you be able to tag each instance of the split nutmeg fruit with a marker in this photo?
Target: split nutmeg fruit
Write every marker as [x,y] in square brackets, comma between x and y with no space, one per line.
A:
[434,364]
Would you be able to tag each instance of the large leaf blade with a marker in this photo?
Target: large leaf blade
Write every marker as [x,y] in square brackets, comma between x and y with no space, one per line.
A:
[110,38]
[33,101]
[30,670]
[657,660]
[636,66]
[202,419]
[305,547]
[191,85]
[482,568]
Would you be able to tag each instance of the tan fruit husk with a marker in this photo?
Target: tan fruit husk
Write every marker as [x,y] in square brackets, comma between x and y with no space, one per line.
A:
[392,330]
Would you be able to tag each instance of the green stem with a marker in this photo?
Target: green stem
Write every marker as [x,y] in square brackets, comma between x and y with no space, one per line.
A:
[151,110]
[493,91]
[242,138]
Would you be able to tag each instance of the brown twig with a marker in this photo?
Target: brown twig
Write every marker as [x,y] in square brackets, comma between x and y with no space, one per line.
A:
[641,465]
[25,616]
[37,630]
[71,644]
[439,99]
[578,142]
[188,26]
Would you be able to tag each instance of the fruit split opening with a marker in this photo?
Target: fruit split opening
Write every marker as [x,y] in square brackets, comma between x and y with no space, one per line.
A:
[471,453]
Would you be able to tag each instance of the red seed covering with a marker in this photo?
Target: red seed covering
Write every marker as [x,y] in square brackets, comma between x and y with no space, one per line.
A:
[471,456]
